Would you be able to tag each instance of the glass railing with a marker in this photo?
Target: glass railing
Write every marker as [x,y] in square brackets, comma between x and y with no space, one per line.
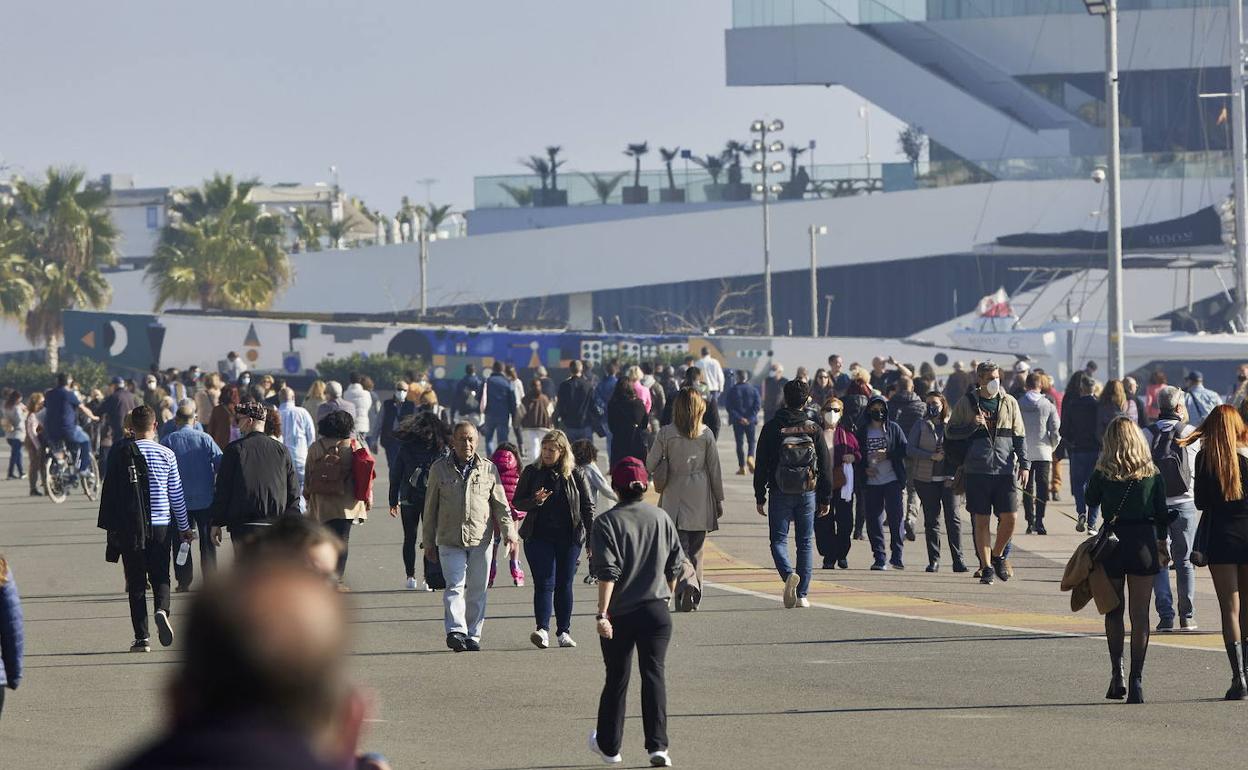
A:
[784,13]
[694,185]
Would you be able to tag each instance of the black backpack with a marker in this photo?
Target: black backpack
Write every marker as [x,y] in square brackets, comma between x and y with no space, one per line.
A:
[796,462]
[1168,457]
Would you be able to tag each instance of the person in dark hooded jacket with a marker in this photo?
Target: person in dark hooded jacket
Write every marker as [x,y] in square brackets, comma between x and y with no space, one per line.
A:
[780,444]
[423,438]
[883,468]
[906,408]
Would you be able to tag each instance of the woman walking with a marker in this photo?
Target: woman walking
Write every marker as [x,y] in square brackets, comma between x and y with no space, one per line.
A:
[507,460]
[15,432]
[559,510]
[315,397]
[34,443]
[1221,487]
[221,422]
[628,422]
[1132,495]
[933,481]
[693,490]
[536,421]
[423,438]
[833,531]
[330,483]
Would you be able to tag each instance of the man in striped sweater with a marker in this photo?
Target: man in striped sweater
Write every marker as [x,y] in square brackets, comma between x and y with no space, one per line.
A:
[167,508]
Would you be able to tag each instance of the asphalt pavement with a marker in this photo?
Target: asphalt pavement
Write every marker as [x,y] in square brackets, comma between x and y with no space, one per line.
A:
[894,669]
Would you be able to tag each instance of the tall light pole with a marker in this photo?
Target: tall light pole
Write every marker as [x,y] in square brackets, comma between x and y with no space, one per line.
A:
[761,146]
[1238,149]
[1109,9]
[815,231]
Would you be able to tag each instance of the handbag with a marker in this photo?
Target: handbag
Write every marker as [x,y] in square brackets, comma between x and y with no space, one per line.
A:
[1200,544]
[363,471]
[1105,542]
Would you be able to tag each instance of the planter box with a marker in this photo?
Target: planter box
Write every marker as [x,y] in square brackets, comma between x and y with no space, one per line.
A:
[713,191]
[547,198]
[668,195]
[740,191]
[635,194]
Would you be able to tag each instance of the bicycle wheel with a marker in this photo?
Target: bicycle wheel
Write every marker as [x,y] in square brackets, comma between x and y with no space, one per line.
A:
[91,485]
[53,483]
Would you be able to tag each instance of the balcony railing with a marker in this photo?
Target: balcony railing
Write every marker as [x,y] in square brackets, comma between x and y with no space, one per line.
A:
[784,13]
[694,185]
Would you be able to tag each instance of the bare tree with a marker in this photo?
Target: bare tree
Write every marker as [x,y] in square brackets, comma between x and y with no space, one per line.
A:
[732,309]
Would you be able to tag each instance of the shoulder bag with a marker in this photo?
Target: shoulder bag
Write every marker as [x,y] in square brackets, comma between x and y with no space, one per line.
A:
[1105,542]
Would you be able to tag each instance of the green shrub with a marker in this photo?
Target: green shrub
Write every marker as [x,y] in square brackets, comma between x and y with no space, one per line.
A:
[35,377]
[383,369]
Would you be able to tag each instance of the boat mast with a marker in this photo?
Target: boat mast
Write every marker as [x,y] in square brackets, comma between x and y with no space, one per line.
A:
[1238,152]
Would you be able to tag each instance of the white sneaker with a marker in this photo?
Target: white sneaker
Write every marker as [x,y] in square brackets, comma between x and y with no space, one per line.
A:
[413,584]
[803,602]
[566,640]
[790,590]
[660,759]
[424,586]
[540,639]
[164,631]
[593,746]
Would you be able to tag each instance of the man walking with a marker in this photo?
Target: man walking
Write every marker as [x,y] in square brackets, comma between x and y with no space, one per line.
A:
[743,403]
[1043,431]
[795,467]
[298,433]
[198,458]
[113,411]
[1176,464]
[994,466]
[466,403]
[636,556]
[498,405]
[140,505]
[257,480]
[1200,400]
[713,378]
[464,502]
[574,409]
[773,392]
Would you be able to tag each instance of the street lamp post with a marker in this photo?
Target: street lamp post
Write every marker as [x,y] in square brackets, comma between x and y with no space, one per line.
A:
[1109,9]
[815,230]
[761,146]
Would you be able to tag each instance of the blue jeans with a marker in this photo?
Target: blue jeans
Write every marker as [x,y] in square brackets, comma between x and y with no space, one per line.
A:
[576,434]
[884,500]
[81,445]
[1081,465]
[15,457]
[552,567]
[1182,533]
[744,435]
[495,431]
[800,510]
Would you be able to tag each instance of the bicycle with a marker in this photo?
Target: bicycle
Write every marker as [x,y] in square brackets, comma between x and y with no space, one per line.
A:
[61,474]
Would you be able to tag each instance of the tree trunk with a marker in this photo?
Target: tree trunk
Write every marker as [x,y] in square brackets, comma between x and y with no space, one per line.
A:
[54,353]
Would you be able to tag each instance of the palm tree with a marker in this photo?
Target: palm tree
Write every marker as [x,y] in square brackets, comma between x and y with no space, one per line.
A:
[604,185]
[635,151]
[713,165]
[220,250]
[669,156]
[523,196]
[308,227]
[69,235]
[432,217]
[538,165]
[16,292]
[794,152]
[552,153]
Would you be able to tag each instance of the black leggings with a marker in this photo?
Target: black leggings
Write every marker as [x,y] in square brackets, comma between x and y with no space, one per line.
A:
[410,515]
[341,528]
[649,629]
[1139,595]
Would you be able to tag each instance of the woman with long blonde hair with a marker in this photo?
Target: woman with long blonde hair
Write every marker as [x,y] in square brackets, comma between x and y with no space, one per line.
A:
[684,460]
[559,512]
[1132,497]
[1220,483]
[315,397]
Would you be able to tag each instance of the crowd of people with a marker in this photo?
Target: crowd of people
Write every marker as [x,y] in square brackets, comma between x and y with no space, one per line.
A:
[510,470]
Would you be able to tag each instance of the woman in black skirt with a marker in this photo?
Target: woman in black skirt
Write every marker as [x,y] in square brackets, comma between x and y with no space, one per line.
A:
[1221,488]
[1132,497]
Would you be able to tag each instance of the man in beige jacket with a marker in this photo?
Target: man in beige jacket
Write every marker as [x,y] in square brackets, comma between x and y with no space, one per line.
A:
[465,493]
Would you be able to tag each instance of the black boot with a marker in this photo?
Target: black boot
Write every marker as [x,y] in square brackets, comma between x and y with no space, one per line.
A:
[1135,685]
[1237,690]
[1117,687]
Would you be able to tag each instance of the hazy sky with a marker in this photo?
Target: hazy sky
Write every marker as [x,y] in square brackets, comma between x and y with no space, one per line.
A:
[390,91]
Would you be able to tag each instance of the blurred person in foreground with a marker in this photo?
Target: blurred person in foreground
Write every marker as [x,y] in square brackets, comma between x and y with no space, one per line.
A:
[263,680]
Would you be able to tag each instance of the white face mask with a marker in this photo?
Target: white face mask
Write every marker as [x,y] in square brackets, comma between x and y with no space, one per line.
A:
[831,418]
[400,395]
[993,387]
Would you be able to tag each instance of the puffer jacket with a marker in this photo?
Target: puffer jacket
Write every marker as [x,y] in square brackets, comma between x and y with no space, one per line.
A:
[1042,424]
[12,633]
[509,473]
[1000,451]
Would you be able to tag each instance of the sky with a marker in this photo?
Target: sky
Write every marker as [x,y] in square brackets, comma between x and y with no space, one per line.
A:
[389,91]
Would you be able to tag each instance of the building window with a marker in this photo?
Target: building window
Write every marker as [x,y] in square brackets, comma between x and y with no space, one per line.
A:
[153,218]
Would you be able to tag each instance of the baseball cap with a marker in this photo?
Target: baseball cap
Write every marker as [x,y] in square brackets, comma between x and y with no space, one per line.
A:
[118,381]
[1195,376]
[1021,366]
[251,409]
[628,471]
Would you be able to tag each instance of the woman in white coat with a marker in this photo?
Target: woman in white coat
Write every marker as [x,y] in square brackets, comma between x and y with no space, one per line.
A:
[684,464]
